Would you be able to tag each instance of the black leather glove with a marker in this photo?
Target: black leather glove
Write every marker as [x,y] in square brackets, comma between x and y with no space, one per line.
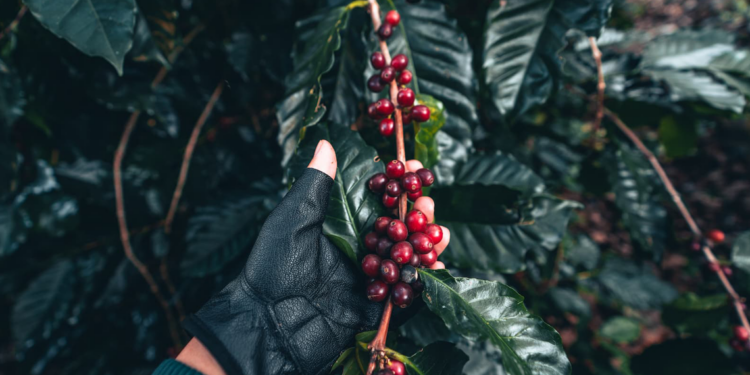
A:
[299,301]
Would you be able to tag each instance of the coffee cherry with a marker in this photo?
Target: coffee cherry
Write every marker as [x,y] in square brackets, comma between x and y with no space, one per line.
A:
[411,182]
[695,246]
[397,230]
[414,196]
[397,367]
[716,236]
[434,232]
[377,182]
[386,127]
[401,252]
[384,247]
[375,84]
[415,261]
[406,116]
[405,77]
[372,111]
[393,188]
[417,286]
[420,242]
[371,265]
[381,224]
[420,113]
[388,74]
[384,106]
[429,258]
[714,266]
[395,169]
[408,274]
[385,371]
[727,270]
[402,295]
[426,176]
[399,62]
[385,31]
[377,291]
[377,60]
[389,271]
[415,221]
[389,201]
[740,333]
[371,241]
[405,97]
[393,18]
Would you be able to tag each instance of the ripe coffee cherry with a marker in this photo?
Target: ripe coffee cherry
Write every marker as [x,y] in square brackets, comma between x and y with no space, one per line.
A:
[401,252]
[377,182]
[426,176]
[377,291]
[406,116]
[400,62]
[415,261]
[429,258]
[384,106]
[381,224]
[417,287]
[414,196]
[740,333]
[393,18]
[385,31]
[395,169]
[434,232]
[420,242]
[384,247]
[388,74]
[375,84]
[727,270]
[405,97]
[397,367]
[385,371]
[372,111]
[402,295]
[408,274]
[420,113]
[386,127]
[371,265]
[397,230]
[716,236]
[411,182]
[405,77]
[393,188]
[415,221]
[377,60]
[389,201]
[371,241]
[389,271]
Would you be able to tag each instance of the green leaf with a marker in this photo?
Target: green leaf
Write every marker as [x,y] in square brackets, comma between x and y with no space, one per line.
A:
[12,100]
[425,147]
[635,286]
[342,358]
[568,300]
[684,357]
[582,251]
[440,358]
[479,309]
[101,28]
[695,85]
[497,169]
[696,315]
[687,49]
[144,45]
[620,329]
[741,252]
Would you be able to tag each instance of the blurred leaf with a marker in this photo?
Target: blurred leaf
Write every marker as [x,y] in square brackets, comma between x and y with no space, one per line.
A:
[621,330]
[490,310]
[96,27]
[12,100]
[12,235]
[568,300]
[741,252]
[692,314]
[635,286]
[581,250]
[683,357]
[678,139]
[144,46]
[687,49]
[425,147]
[694,85]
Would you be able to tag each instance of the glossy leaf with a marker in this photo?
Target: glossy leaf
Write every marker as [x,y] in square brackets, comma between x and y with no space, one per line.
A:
[497,169]
[620,329]
[687,49]
[741,252]
[691,85]
[479,309]
[101,28]
[440,358]
[144,45]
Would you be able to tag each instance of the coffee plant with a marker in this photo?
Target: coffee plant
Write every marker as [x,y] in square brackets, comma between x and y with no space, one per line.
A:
[587,160]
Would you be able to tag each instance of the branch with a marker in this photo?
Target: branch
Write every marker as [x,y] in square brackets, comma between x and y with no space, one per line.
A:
[597,54]
[189,154]
[15,22]
[736,299]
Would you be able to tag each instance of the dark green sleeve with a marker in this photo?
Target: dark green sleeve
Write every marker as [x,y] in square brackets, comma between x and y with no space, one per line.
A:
[172,367]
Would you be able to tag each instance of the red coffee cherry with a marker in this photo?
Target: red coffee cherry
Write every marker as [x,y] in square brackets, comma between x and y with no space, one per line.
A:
[384,247]
[372,111]
[414,196]
[384,106]
[402,295]
[420,242]
[405,97]
[375,84]
[406,116]
[401,252]
[399,62]
[429,258]
[727,270]
[397,230]
[371,241]
[411,182]
[393,188]
[420,113]
[388,74]
[415,261]
[381,224]
[393,18]
[434,232]
[426,176]
[377,291]
[741,333]
[397,367]
[395,169]
[417,286]
[716,236]
[377,182]
[389,201]
[377,60]
[405,77]
[371,265]
[385,31]
[415,221]
[389,271]
[386,127]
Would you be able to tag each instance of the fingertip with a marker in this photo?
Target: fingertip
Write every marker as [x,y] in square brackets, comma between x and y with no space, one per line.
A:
[438,266]
[427,206]
[324,159]
[413,165]
[443,244]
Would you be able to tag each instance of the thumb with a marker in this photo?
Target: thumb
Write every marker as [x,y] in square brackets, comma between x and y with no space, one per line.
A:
[324,159]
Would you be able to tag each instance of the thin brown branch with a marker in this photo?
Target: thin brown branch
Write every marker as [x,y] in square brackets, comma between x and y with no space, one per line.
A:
[189,154]
[377,345]
[736,299]
[597,54]
[13,24]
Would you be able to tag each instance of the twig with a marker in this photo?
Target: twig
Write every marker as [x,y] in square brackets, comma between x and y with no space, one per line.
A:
[736,299]
[189,154]
[597,54]
[15,22]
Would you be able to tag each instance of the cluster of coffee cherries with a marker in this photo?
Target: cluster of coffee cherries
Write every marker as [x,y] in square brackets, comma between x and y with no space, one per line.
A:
[396,180]
[741,340]
[383,109]
[398,249]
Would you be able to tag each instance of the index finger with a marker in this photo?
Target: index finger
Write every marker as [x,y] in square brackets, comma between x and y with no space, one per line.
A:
[413,165]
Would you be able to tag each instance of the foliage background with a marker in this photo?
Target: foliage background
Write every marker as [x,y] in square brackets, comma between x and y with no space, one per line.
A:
[621,284]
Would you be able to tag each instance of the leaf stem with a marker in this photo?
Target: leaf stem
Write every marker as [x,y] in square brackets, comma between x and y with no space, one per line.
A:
[15,22]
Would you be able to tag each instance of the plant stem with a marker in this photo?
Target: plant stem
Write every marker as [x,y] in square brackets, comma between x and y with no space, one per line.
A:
[377,346]
[597,54]
[189,154]
[15,22]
